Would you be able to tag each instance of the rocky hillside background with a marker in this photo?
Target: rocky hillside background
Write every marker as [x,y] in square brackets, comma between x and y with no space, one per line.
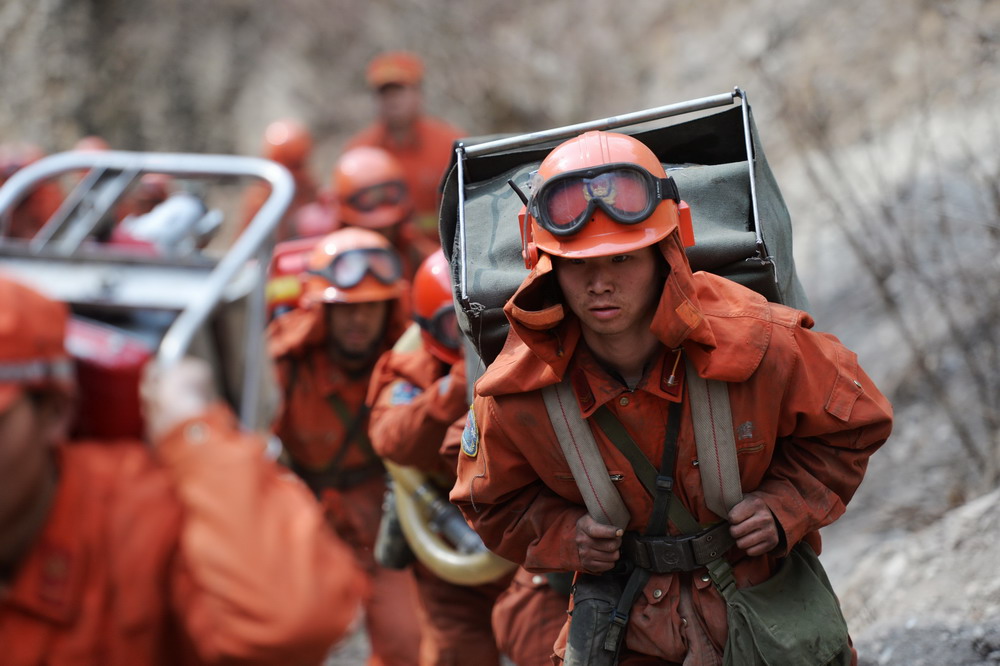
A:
[879,119]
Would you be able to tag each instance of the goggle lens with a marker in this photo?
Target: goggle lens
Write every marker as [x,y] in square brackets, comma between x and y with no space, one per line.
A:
[347,270]
[383,194]
[628,194]
[443,326]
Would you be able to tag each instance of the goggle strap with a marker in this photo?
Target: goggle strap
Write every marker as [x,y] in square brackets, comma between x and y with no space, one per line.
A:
[667,189]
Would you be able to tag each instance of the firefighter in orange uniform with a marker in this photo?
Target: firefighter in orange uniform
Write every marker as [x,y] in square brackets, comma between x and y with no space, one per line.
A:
[289,143]
[199,551]
[416,395]
[352,309]
[612,307]
[422,144]
[369,190]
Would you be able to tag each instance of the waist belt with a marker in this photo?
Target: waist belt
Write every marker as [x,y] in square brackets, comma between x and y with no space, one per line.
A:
[666,554]
[336,478]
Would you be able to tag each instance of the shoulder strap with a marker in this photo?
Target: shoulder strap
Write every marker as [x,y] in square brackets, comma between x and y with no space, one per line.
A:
[651,478]
[712,418]
[603,501]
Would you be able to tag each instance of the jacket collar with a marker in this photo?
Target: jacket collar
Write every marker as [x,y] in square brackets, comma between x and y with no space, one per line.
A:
[723,328]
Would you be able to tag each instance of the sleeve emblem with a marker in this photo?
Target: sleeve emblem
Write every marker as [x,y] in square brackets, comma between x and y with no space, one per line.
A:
[403,393]
[470,436]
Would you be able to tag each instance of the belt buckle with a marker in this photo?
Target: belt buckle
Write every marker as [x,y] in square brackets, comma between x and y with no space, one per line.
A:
[670,554]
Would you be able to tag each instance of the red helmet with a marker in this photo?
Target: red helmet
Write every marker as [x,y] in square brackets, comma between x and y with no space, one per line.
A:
[288,142]
[92,143]
[370,188]
[353,265]
[434,308]
[598,194]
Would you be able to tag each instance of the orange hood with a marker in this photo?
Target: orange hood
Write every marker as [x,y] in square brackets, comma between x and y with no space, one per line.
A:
[304,327]
[715,320]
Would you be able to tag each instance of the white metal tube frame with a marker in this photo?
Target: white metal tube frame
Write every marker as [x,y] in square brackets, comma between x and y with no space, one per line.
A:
[255,241]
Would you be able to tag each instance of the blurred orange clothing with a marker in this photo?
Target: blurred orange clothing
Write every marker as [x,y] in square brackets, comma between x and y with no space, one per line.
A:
[424,158]
[35,210]
[200,552]
[415,398]
[323,428]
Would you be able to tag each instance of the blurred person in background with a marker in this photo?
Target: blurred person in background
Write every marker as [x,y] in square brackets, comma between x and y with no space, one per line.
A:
[416,393]
[369,190]
[422,144]
[195,551]
[288,142]
[352,309]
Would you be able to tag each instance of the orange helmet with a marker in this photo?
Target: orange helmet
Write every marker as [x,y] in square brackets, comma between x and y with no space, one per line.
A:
[370,189]
[434,308]
[395,67]
[288,142]
[598,194]
[353,266]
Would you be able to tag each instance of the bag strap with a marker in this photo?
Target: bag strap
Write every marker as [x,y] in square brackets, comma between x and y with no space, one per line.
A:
[651,478]
[712,418]
[577,442]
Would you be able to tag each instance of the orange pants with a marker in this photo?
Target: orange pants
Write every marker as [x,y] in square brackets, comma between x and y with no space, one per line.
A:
[455,620]
[527,619]
[391,610]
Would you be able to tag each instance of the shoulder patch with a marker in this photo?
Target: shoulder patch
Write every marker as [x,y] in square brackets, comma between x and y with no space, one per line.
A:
[470,436]
[403,393]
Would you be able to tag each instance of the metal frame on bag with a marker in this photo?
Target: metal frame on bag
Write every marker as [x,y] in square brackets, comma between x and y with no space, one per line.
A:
[464,152]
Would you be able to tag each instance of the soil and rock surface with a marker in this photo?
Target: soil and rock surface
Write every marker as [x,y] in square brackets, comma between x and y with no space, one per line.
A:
[879,120]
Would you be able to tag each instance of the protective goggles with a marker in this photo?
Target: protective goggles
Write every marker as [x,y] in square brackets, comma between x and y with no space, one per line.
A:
[626,192]
[442,326]
[384,194]
[349,268]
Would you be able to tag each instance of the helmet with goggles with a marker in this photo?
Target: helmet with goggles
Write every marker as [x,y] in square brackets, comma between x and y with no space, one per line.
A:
[598,194]
[370,188]
[434,308]
[353,265]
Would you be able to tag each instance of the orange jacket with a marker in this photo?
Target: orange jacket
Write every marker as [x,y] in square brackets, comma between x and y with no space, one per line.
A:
[424,160]
[347,476]
[309,423]
[208,555]
[806,420]
[414,398]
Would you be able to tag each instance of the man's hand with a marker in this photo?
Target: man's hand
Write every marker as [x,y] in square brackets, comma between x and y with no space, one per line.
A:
[597,544]
[753,526]
[175,394]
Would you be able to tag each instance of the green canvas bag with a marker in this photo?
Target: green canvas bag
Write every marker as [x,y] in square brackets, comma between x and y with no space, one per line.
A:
[791,619]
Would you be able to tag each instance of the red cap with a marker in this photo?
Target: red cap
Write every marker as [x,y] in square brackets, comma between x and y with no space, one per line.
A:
[400,67]
[32,347]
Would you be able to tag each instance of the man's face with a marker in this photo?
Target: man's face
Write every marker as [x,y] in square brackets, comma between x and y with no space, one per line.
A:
[26,439]
[399,105]
[612,295]
[356,329]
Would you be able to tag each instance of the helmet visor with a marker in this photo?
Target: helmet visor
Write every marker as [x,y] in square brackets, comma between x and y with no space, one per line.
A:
[348,269]
[383,194]
[626,192]
[442,326]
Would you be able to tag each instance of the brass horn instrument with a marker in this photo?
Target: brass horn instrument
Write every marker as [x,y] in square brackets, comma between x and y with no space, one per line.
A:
[434,528]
